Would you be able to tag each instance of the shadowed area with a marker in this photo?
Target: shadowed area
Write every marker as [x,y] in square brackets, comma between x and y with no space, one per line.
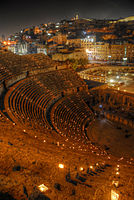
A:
[116,140]
[6,196]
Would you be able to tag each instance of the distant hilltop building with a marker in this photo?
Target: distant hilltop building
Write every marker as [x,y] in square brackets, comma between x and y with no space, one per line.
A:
[76,17]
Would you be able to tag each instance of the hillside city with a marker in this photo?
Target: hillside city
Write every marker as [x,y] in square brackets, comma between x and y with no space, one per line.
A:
[91,40]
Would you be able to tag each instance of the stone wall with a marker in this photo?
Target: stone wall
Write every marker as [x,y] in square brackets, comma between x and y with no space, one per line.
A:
[39,71]
[15,79]
[119,119]
[1,88]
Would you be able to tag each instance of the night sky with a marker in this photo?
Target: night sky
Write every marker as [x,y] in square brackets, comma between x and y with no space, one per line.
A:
[15,15]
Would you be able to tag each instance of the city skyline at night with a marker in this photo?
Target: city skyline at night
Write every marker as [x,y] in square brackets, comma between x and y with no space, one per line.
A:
[15,16]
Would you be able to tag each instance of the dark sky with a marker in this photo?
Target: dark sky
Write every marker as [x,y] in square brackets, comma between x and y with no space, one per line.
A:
[15,15]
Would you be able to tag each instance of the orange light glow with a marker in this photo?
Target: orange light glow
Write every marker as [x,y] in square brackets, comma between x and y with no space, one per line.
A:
[114,195]
[42,188]
[61,166]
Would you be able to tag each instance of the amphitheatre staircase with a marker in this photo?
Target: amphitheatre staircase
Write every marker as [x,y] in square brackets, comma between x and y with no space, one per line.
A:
[44,98]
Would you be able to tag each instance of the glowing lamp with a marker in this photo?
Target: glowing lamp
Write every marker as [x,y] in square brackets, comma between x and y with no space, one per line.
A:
[61,166]
[4,42]
[115,183]
[42,188]
[111,80]
[100,106]
[81,169]
[114,195]
[117,173]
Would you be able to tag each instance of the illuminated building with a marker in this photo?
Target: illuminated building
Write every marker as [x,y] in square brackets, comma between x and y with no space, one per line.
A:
[77,54]
[107,52]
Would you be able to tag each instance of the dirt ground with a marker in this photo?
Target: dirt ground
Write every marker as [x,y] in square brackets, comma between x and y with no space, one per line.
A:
[29,158]
[119,141]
